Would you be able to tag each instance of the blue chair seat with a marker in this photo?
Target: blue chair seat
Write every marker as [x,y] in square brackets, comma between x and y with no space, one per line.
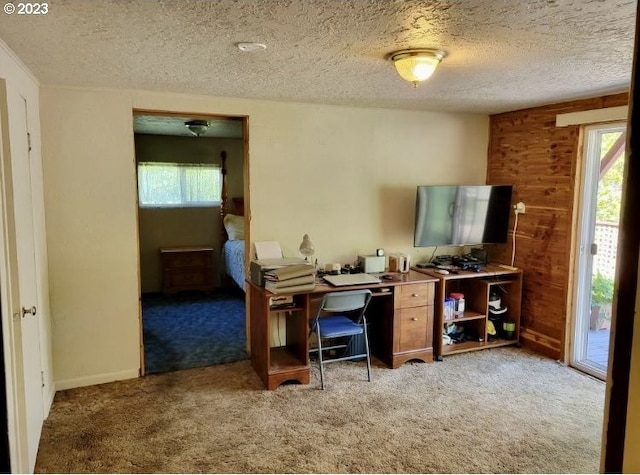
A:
[341,316]
[338,326]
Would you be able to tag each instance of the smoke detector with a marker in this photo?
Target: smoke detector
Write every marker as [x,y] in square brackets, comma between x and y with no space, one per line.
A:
[249,47]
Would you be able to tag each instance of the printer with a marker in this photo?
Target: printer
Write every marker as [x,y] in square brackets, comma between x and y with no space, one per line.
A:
[371,264]
[258,267]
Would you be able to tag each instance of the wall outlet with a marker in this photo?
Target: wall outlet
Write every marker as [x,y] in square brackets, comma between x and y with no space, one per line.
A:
[520,208]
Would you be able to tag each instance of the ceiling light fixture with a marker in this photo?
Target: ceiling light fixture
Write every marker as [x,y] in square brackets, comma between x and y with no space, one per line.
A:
[416,65]
[197,127]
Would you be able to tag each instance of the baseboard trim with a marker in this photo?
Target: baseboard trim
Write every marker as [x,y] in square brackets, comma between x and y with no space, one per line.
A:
[540,343]
[48,400]
[96,379]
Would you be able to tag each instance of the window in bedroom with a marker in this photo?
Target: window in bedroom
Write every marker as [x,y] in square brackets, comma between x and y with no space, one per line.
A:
[178,185]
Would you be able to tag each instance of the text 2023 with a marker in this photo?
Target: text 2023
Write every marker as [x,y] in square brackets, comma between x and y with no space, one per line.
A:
[32,8]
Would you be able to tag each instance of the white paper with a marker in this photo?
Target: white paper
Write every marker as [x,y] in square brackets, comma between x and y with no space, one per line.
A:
[268,250]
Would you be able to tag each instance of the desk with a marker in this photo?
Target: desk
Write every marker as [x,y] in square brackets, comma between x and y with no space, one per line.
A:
[400,317]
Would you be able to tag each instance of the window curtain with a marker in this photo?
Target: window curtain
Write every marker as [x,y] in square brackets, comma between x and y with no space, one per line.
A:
[177,184]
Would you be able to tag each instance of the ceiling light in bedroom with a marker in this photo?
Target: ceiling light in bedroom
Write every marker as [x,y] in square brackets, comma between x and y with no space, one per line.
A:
[197,127]
[416,65]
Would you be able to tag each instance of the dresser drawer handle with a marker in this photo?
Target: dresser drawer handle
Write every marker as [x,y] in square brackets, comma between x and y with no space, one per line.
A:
[415,319]
[415,295]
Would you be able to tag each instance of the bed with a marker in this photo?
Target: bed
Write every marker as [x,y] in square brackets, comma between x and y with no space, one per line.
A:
[233,247]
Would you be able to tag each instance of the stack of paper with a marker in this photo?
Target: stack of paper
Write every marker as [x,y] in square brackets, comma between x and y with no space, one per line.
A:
[296,278]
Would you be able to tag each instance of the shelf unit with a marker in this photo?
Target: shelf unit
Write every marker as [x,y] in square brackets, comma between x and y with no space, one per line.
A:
[477,287]
[290,361]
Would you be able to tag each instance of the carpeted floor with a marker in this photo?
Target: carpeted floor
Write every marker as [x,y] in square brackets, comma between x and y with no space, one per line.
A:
[494,411]
[190,330]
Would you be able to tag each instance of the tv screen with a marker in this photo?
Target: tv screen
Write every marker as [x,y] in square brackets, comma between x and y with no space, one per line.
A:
[458,215]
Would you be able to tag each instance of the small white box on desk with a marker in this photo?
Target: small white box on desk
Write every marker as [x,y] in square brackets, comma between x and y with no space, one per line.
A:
[370,264]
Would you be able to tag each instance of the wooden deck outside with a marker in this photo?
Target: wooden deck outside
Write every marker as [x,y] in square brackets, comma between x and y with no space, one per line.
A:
[598,347]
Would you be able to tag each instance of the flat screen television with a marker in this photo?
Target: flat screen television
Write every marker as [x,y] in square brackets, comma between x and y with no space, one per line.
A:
[458,215]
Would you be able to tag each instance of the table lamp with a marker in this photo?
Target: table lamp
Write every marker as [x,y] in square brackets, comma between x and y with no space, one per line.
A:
[306,247]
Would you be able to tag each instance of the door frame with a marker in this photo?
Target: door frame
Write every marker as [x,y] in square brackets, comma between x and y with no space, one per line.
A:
[583,264]
[247,205]
[5,452]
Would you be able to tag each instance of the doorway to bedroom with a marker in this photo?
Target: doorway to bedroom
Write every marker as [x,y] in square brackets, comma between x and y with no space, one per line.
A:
[190,173]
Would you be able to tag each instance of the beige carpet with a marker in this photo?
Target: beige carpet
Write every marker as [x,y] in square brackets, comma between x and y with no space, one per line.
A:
[494,411]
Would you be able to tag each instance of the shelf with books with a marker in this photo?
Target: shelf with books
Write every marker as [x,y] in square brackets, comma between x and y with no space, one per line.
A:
[279,342]
[492,296]
[465,317]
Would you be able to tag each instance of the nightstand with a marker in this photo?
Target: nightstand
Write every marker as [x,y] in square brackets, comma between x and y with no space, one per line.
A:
[187,268]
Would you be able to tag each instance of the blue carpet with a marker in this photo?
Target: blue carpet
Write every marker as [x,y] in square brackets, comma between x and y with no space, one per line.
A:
[192,330]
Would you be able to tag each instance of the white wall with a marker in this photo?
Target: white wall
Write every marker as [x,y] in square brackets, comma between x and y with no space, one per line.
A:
[631,462]
[346,176]
[90,195]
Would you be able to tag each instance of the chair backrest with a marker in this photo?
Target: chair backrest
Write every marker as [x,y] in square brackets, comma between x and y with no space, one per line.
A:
[348,301]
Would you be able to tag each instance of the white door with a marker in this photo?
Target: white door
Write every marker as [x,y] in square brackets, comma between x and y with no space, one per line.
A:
[28,321]
[603,159]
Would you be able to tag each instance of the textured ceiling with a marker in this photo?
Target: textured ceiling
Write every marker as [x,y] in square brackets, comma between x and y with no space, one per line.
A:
[502,54]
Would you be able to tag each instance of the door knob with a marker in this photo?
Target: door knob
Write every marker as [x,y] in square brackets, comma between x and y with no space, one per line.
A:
[28,311]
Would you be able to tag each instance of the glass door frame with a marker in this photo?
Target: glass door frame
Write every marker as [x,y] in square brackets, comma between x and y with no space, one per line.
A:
[589,179]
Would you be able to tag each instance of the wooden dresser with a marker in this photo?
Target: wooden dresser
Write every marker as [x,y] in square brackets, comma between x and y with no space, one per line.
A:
[187,268]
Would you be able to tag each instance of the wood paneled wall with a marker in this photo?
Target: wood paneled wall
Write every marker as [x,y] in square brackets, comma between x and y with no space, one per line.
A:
[526,149]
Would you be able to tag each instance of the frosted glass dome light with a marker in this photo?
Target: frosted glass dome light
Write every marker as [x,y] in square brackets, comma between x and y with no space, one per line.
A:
[416,65]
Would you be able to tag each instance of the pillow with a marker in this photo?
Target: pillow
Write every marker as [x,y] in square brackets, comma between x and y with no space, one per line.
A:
[234,226]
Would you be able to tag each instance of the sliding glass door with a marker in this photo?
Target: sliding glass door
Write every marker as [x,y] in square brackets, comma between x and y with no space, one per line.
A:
[603,163]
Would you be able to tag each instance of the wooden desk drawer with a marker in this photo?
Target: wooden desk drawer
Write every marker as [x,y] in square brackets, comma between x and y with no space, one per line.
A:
[414,328]
[190,278]
[188,268]
[176,260]
[414,295]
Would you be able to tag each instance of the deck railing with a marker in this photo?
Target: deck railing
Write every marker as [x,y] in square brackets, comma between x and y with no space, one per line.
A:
[606,237]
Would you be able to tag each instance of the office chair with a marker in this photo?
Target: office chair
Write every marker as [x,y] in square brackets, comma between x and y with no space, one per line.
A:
[342,314]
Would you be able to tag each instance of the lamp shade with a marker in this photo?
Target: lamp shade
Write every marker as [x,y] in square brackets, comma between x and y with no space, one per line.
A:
[306,247]
[416,65]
